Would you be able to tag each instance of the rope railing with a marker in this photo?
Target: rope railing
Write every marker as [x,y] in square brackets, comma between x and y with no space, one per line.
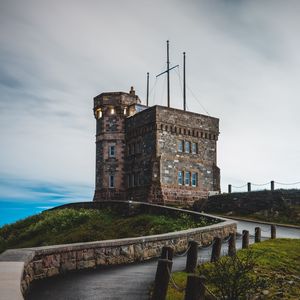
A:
[260,184]
[281,183]
[174,284]
[224,241]
[239,187]
[210,292]
[207,247]
[184,253]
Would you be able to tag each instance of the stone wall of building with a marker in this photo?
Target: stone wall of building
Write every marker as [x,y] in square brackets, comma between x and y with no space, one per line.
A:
[175,126]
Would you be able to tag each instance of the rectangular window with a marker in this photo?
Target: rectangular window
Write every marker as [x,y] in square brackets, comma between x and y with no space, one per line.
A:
[194,148]
[180,177]
[187,147]
[112,151]
[180,146]
[194,179]
[111,181]
[128,181]
[187,178]
[136,179]
[132,180]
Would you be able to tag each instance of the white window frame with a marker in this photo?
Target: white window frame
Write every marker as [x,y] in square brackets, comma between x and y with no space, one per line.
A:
[194,148]
[180,177]
[187,178]
[180,146]
[187,148]
[112,151]
[194,180]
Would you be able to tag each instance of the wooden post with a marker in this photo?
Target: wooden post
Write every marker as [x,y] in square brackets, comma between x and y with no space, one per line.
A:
[216,249]
[273,231]
[192,257]
[249,186]
[245,241]
[195,289]
[257,234]
[162,278]
[231,244]
[272,185]
[167,252]
[229,188]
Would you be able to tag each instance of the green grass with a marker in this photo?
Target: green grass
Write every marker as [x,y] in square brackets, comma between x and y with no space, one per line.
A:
[82,225]
[277,261]
[289,215]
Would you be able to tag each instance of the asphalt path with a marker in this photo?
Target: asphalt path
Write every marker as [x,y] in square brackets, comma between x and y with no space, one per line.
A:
[128,281]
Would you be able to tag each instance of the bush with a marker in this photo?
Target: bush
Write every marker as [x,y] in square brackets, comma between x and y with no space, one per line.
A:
[234,277]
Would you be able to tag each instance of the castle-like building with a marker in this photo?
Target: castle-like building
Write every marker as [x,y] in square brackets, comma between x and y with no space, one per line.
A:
[153,154]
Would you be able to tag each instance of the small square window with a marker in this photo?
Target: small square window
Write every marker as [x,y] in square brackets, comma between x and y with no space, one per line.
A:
[111,181]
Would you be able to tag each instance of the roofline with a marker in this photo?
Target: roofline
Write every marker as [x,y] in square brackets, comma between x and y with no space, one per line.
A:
[187,112]
[112,93]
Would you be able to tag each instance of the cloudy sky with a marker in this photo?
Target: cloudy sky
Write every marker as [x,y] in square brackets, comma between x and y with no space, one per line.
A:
[243,67]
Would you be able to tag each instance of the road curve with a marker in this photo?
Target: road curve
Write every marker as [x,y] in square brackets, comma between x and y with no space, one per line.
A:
[128,281]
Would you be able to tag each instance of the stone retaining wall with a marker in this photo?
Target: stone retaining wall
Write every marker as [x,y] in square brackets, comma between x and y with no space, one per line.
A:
[48,261]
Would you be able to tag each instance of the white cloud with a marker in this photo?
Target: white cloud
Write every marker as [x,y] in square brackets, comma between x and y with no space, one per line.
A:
[242,62]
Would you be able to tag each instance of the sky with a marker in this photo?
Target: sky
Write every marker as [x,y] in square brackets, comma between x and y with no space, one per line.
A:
[243,67]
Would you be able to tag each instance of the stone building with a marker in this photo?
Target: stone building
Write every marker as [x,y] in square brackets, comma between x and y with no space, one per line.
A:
[153,154]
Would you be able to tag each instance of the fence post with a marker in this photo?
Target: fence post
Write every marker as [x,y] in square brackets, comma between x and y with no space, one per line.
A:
[231,244]
[195,289]
[245,241]
[167,252]
[192,257]
[272,185]
[216,249]
[249,186]
[162,278]
[273,231]
[257,231]
[229,188]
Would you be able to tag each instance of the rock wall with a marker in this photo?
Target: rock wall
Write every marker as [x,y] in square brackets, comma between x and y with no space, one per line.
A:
[48,261]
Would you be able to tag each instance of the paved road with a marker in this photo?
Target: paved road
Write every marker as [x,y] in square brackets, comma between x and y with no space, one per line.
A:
[126,282]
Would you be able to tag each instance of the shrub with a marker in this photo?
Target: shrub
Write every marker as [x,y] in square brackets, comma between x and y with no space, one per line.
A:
[234,277]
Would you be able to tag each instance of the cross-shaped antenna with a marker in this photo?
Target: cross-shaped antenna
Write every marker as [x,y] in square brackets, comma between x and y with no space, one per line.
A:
[168,73]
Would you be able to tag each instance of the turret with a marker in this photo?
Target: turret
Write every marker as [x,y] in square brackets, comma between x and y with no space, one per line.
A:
[110,111]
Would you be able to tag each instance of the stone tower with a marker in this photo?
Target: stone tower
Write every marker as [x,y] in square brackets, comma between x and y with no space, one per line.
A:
[110,111]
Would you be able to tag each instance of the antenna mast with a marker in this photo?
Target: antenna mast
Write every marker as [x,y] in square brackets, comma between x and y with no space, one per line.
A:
[147,88]
[168,73]
[184,85]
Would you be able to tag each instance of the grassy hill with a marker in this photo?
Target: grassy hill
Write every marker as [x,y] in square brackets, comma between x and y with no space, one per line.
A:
[276,262]
[62,226]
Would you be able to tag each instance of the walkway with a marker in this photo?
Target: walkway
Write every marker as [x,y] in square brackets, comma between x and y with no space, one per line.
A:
[129,281]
